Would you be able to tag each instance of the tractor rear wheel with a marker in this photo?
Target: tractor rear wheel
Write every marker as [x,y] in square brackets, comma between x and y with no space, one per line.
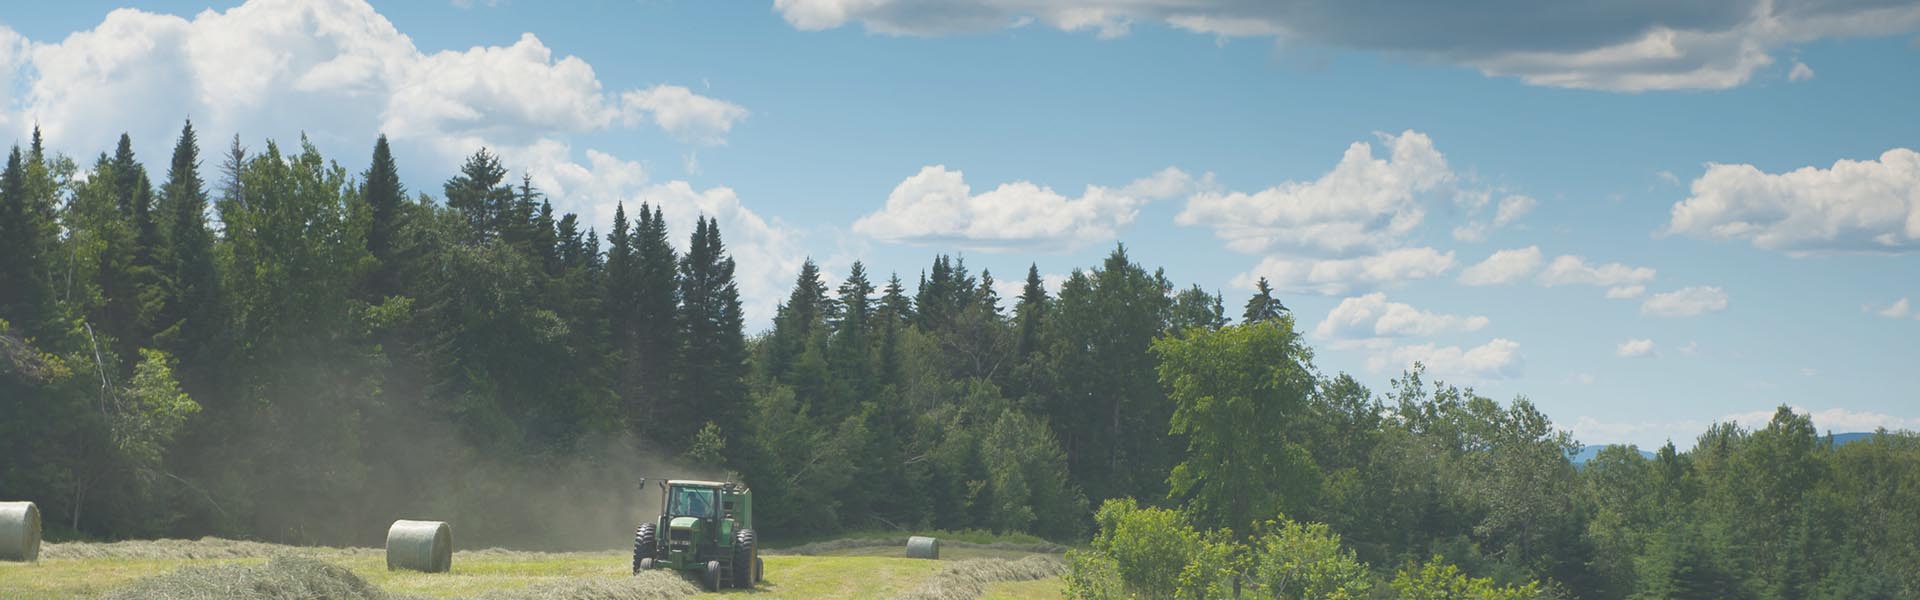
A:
[712,577]
[644,545]
[746,560]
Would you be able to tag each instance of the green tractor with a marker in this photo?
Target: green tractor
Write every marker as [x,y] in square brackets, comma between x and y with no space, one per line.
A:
[705,528]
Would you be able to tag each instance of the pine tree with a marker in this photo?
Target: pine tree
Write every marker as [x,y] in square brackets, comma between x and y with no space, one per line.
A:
[796,322]
[850,349]
[386,198]
[546,240]
[479,196]
[24,299]
[712,366]
[191,316]
[1030,312]
[655,341]
[1263,306]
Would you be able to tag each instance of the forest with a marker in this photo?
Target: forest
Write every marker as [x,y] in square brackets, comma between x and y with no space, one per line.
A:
[263,344]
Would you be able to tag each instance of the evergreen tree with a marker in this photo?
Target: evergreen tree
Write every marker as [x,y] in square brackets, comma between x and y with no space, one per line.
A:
[1262,306]
[381,189]
[26,297]
[191,317]
[479,195]
[654,302]
[1030,312]
[851,347]
[712,366]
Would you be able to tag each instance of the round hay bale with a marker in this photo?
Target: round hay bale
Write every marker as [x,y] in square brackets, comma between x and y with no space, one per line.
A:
[923,547]
[420,546]
[19,531]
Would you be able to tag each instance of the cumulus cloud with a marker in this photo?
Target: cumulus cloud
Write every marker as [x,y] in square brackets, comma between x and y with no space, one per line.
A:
[937,205]
[1685,302]
[1505,266]
[1509,210]
[1339,276]
[1626,292]
[1619,46]
[1633,348]
[1372,316]
[1898,310]
[1496,359]
[1854,206]
[688,116]
[1573,270]
[1363,203]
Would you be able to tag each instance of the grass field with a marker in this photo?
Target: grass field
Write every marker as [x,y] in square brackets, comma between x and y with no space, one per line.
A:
[220,568]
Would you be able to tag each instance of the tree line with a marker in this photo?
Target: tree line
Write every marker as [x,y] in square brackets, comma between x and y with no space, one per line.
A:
[286,350]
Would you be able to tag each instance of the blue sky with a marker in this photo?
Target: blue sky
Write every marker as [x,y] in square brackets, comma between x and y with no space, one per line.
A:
[1641,292]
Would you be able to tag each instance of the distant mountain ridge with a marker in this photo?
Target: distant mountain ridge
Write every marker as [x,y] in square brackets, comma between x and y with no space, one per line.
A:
[1580,457]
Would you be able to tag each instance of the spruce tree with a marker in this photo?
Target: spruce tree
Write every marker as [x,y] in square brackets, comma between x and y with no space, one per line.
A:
[24,297]
[479,195]
[654,302]
[713,358]
[1263,306]
[1030,312]
[191,317]
[386,198]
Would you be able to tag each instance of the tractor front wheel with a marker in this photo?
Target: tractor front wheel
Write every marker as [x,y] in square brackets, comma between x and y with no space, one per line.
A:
[712,577]
[644,546]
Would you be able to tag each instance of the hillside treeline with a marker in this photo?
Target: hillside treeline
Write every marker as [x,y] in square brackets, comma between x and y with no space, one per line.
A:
[267,345]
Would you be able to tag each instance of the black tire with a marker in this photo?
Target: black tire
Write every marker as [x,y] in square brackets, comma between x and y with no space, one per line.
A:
[645,543]
[746,556]
[712,577]
[759,570]
[648,564]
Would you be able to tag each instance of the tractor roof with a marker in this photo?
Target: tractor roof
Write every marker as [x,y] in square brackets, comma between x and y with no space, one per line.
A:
[695,483]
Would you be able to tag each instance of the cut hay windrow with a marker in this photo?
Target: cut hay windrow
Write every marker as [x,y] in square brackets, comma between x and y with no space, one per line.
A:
[420,546]
[842,545]
[207,548]
[282,578]
[968,579]
[650,585]
[19,531]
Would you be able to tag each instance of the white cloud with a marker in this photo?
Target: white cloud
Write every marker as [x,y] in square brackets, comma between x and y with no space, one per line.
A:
[1633,348]
[1620,46]
[1580,378]
[1574,270]
[1339,276]
[1505,266]
[1854,206]
[689,116]
[1363,203]
[1836,420]
[1898,310]
[1685,302]
[1809,371]
[1010,285]
[1692,348]
[937,206]
[1800,72]
[1496,359]
[1372,316]
[1625,292]
[1510,209]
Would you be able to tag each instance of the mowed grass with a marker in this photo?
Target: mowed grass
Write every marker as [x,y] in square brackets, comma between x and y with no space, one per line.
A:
[870,572]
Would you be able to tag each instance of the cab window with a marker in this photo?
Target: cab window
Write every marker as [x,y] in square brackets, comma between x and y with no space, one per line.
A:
[691,502]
